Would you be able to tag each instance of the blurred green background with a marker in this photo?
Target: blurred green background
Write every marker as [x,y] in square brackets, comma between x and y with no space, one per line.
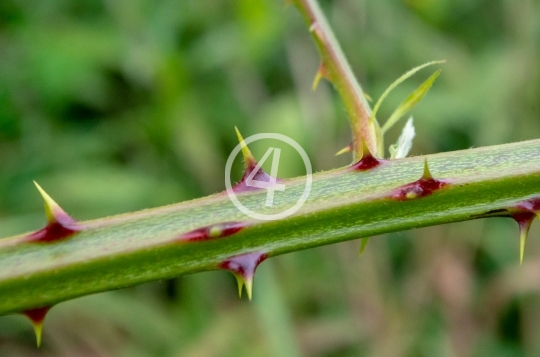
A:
[119,105]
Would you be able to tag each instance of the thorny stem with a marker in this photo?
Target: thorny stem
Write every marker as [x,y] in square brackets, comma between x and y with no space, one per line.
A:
[344,204]
[338,71]
[67,259]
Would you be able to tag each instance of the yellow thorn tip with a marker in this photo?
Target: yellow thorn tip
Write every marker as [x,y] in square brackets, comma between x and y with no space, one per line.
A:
[321,73]
[347,148]
[316,81]
[523,233]
[240,282]
[363,244]
[50,205]
[427,174]
[248,157]
[38,329]
[524,227]
[249,287]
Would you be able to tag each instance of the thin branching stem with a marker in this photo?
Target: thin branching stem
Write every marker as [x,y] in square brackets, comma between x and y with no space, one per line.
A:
[337,70]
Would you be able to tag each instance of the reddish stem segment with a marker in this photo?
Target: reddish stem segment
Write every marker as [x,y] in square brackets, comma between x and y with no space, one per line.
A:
[52,232]
[417,189]
[37,315]
[367,162]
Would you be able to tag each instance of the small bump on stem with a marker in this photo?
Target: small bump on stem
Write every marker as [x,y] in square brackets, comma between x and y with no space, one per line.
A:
[215,231]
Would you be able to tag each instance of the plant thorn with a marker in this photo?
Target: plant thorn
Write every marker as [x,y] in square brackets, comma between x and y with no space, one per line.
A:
[368,161]
[53,211]
[321,73]
[243,267]
[427,174]
[423,187]
[60,225]
[363,244]
[37,317]
[249,160]
[253,171]
[347,148]
[524,221]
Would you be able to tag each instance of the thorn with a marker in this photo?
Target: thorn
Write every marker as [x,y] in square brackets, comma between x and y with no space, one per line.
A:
[253,171]
[524,220]
[422,187]
[363,244]
[240,283]
[243,267]
[60,224]
[368,161]
[347,148]
[249,160]
[321,73]
[37,317]
[427,174]
[249,287]
[52,210]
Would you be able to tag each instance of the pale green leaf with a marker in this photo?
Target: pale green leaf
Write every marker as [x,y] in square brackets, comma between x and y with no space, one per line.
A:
[410,101]
[396,83]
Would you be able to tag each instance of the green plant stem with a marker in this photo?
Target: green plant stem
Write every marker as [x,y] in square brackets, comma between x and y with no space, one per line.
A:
[129,249]
[339,72]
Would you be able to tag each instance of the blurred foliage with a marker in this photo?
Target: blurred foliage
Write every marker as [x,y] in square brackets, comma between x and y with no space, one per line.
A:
[117,105]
